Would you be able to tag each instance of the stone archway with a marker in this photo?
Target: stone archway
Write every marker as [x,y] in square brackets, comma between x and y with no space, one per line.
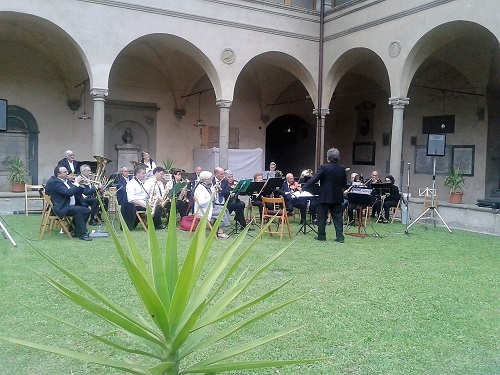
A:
[290,143]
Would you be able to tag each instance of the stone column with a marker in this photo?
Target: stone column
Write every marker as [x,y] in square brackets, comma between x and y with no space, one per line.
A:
[224,106]
[320,135]
[398,107]
[99,97]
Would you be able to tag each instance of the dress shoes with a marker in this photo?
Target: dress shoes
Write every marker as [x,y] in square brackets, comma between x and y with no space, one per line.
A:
[339,240]
[85,237]
[318,238]
[93,222]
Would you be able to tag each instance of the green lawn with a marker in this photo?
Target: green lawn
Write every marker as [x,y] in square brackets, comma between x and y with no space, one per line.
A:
[427,303]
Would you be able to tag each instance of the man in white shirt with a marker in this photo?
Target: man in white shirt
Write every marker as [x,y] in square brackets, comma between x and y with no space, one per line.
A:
[138,197]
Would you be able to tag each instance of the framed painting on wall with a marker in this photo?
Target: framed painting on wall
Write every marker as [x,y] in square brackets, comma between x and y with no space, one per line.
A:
[363,153]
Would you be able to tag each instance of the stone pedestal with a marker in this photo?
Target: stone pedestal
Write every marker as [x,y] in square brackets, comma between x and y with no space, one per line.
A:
[126,153]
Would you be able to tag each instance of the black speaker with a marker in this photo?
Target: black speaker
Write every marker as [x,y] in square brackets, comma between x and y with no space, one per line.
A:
[436,144]
[3,115]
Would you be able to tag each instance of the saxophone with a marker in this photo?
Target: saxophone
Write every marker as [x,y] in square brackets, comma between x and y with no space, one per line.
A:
[153,199]
[183,192]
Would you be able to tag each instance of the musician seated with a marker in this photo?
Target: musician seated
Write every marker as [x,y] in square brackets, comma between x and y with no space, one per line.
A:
[272,172]
[235,204]
[63,194]
[138,198]
[121,185]
[355,181]
[374,179]
[391,199]
[256,200]
[89,196]
[291,186]
[314,201]
[181,199]
[202,196]
[221,192]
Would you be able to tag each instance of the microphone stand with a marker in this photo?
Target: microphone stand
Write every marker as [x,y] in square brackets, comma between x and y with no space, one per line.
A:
[6,234]
[407,203]
[432,208]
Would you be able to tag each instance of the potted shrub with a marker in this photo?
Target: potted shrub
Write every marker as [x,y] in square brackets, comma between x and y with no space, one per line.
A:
[18,174]
[455,180]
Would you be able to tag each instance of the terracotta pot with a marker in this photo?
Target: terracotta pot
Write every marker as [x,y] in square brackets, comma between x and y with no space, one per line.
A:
[456,197]
[17,187]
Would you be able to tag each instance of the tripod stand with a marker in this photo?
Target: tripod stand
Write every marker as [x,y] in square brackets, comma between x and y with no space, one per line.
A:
[6,234]
[431,208]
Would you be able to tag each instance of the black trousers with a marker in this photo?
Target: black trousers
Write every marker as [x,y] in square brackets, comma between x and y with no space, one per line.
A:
[128,212]
[93,204]
[301,204]
[80,216]
[239,212]
[336,210]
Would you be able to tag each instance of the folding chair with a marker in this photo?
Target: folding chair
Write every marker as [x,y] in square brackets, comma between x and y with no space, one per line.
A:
[142,217]
[50,219]
[278,213]
[393,211]
[28,197]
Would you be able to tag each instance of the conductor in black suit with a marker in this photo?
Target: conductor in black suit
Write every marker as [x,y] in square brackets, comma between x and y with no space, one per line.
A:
[64,196]
[333,181]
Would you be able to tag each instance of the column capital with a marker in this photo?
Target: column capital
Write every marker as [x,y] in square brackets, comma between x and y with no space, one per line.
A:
[98,93]
[398,101]
[322,113]
[223,103]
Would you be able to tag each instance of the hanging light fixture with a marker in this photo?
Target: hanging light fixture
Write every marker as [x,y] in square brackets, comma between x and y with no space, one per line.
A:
[84,115]
[199,122]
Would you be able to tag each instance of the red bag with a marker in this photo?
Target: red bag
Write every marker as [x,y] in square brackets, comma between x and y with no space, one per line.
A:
[186,222]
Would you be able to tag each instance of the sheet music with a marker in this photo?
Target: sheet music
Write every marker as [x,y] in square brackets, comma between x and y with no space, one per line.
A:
[302,194]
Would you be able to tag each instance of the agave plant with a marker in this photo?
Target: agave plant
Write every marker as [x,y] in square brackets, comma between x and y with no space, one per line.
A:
[184,305]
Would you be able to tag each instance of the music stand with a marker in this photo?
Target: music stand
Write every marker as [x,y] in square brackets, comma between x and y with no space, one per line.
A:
[362,198]
[305,225]
[381,189]
[255,188]
[271,185]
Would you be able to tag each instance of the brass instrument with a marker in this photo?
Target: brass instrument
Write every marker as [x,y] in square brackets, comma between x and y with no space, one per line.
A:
[168,186]
[101,169]
[153,199]
[216,188]
[183,192]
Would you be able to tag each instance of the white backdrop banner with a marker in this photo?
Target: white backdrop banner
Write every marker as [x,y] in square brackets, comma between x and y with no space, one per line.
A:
[243,163]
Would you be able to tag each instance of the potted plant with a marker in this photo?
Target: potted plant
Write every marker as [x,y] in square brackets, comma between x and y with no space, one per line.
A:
[18,174]
[455,180]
